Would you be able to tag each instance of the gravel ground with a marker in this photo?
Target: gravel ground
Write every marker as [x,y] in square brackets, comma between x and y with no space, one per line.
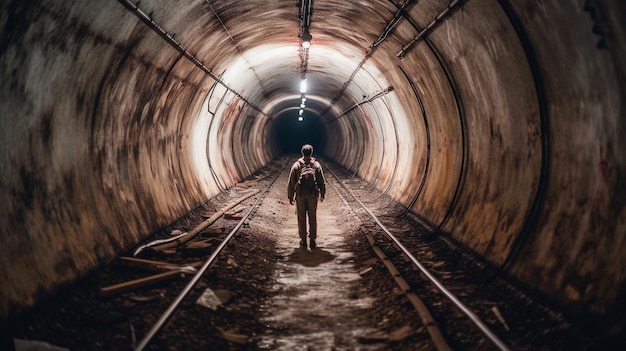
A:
[245,277]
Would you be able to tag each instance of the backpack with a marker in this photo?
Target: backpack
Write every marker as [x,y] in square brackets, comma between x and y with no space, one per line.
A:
[307,184]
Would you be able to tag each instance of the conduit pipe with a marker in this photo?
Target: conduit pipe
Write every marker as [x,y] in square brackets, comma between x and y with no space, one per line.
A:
[176,45]
[394,21]
[421,35]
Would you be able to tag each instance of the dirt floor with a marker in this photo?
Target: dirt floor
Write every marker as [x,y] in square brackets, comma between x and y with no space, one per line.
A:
[274,295]
[268,294]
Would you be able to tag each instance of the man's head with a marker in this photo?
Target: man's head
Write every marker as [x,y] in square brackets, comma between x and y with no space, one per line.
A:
[307,150]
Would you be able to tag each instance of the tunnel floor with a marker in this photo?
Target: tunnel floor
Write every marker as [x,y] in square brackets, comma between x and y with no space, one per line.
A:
[318,302]
[277,296]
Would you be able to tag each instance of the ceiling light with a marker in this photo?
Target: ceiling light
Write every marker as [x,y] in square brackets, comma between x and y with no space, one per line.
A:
[303,85]
[306,38]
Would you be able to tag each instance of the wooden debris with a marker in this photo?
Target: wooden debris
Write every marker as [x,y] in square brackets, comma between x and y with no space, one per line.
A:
[198,245]
[366,270]
[139,283]
[373,338]
[429,322]
[147,264]
[236,210]
[138,298]
[202,226]
[133,336]
[197,248]
[232,216]
[233,336]
[496,311]
[401,334]
[158,242]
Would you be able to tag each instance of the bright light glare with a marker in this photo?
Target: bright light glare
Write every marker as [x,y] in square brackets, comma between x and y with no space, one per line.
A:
[306,44]
[303,85]
[303,99]
[300,113]
[300,118]
[302,105]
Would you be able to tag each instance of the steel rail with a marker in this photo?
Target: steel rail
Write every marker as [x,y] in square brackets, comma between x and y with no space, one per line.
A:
[462,307]
[207,264]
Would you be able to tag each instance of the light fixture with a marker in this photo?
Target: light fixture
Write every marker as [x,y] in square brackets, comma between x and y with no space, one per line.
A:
[300,118]
[306,38]
[303,85]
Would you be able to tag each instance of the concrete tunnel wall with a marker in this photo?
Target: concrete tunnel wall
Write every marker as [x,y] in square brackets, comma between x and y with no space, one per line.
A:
[503,127]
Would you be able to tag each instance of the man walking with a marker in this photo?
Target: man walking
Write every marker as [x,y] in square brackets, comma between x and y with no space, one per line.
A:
[307,184]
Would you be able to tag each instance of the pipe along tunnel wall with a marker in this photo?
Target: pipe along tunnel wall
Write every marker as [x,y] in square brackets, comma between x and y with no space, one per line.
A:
[502,126]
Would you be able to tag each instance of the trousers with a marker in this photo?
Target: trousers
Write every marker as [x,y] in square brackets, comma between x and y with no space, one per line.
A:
[306,206]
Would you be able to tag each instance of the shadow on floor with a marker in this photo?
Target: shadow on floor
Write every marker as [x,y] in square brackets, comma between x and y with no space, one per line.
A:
[312,258]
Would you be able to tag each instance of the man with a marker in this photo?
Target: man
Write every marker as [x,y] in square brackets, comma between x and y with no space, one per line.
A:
[307,183]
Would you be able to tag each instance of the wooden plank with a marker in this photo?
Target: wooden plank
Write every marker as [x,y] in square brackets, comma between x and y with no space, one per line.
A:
[146,264]
[195,231]
[429,322]
[139,283]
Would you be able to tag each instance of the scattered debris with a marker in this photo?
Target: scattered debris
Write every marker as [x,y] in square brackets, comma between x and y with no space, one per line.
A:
[496,311]
[366,270]
[158,242]
[372,338]
[209,299]
[184,238]
[233,336]
[232,216]
[133,336]
[401,334]
[153,265]
[231,262]
[224,295]
[212,232]
[138,298]
[34,345]
[198,248]
[236,210]
[140,283]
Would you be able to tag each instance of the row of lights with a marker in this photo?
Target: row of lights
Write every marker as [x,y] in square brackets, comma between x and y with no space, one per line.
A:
[301,108]
[305,37]
[306,43]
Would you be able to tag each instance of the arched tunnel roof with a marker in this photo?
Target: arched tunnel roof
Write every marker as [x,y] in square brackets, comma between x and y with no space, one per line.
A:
[498,122]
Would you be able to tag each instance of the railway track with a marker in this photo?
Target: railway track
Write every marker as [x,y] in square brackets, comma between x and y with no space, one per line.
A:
[389,248]
[158,295]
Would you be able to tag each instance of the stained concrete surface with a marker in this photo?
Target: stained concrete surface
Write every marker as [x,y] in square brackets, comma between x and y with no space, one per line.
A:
[503,126]
[318,303]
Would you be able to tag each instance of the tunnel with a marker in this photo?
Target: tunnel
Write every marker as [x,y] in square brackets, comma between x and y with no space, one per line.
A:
[498,123]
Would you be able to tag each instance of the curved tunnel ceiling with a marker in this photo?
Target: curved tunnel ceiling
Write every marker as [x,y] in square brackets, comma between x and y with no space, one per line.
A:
[484,118]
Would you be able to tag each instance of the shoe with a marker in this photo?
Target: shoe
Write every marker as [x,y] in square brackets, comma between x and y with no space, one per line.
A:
[312,244]
[303,244]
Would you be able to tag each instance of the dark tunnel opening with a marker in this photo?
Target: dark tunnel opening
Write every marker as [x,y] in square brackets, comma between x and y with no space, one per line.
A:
[288,134]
